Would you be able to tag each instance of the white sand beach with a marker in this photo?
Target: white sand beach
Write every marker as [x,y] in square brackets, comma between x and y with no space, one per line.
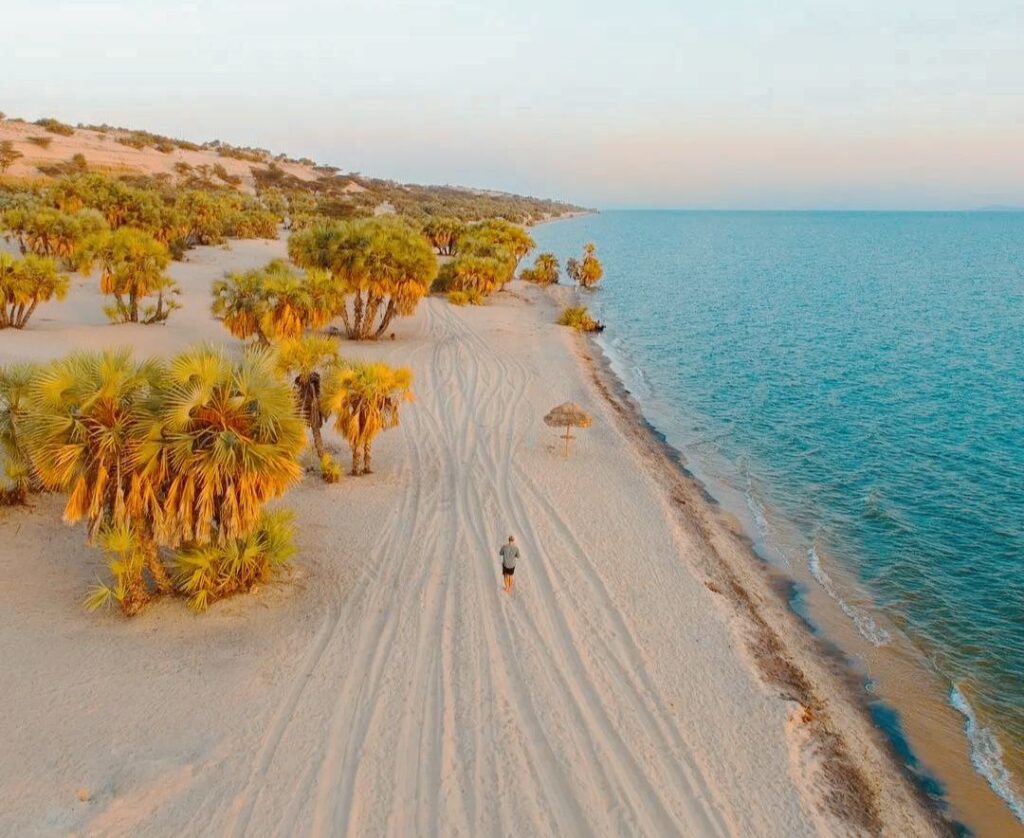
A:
[642,679]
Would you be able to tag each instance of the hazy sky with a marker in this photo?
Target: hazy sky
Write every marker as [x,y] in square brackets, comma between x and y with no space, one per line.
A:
[721,103]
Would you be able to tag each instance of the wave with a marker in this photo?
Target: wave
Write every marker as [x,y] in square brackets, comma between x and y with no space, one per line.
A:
[868,628]
[987,756]
[758,513]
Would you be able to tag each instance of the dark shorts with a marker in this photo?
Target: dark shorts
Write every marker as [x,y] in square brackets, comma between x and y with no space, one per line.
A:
[507,571]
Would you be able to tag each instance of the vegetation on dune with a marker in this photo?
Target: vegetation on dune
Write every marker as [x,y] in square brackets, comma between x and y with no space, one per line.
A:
[587,272]
[544,271]
[24,284]
[132,265]
[364,400]
[322,193]
[76,164]
[8,155]
[310,359]
[47,231]
[178,218]
[55,126]
[383,268]
[42,142]
[577,317]
[275,301]
[335,196]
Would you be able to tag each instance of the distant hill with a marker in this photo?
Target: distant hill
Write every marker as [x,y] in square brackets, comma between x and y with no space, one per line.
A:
[49,148]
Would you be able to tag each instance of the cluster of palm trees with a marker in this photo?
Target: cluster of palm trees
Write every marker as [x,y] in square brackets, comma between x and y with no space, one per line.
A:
[275,301]
[381,268]
[363,399]
[164,461]
[587,271]
[171,463]
[132,232]
[487,256]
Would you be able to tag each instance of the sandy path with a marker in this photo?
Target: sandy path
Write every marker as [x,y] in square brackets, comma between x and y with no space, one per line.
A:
[391,687]
[445,694]
[431,703]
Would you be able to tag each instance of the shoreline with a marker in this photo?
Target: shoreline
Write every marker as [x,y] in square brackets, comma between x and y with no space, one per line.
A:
[927,723]
[931,746]
[863,767]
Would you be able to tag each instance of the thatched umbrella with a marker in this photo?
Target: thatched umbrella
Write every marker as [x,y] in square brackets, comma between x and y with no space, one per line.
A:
[568,416]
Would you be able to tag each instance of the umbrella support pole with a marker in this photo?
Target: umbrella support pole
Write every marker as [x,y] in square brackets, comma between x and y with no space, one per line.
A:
[568,436]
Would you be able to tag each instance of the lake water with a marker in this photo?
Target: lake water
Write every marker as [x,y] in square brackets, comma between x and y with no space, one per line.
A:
[857,379]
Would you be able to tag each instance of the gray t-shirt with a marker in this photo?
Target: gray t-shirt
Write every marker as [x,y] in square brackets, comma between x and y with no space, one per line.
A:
[509,553]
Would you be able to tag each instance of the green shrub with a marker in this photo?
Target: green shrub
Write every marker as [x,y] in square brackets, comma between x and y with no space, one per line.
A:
[470,297]
[330,471]
[213,571]
[42,142]
[577,317]
[55,126]
[134,140]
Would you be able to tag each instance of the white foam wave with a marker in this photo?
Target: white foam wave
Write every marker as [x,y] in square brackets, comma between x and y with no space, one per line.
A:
[758,513]
[987,756]
[868,628]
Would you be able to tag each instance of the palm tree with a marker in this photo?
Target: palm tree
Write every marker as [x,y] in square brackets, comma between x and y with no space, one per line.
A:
[226,441]
[15,381]
[132,265]
[588,271]
[443,233]
[87,417]
[544,270]
[310,358]
[26,283]
[498,239]
[480,275]
[290,304]
[384,265]
[240,301]
[364,399]
[275,302]
[47,231]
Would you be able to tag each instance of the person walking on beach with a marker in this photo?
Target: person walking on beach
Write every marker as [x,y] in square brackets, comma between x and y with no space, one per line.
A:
[509,553]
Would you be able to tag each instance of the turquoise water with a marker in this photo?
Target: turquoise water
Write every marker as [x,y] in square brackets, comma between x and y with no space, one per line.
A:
[861,375]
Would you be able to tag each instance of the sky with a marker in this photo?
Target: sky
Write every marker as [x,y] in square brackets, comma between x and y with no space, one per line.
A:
[745,104]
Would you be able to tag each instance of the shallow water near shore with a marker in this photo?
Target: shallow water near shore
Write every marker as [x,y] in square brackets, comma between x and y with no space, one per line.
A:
[851,386]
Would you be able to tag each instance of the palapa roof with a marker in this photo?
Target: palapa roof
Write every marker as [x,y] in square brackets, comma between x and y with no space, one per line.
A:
[567,414]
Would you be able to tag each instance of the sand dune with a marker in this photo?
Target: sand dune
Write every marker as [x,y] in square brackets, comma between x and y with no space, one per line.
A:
[104,153]
[389,686]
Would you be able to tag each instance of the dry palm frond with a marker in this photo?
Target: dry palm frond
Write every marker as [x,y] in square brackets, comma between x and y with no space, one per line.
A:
[228,441]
